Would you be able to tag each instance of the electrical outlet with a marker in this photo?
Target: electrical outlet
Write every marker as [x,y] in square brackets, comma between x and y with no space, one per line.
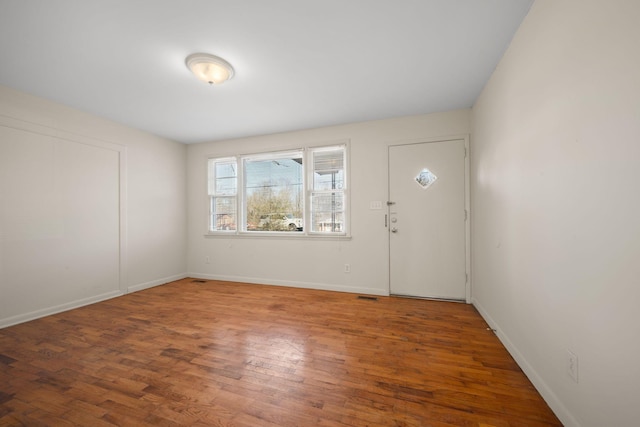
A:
[207,260]
[347,268]
[572,365]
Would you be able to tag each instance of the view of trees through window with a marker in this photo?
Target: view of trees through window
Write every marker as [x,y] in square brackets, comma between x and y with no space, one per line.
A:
[266,192]
[274,193]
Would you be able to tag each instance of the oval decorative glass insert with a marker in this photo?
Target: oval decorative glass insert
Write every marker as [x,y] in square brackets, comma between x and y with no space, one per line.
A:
[425,178]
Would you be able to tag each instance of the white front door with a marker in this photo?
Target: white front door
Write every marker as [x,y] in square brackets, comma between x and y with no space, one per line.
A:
[427,227]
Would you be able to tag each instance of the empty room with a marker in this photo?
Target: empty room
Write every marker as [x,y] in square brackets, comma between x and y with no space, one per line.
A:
[338,213]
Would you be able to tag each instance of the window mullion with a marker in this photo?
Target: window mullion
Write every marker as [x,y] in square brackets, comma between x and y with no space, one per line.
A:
[240,196]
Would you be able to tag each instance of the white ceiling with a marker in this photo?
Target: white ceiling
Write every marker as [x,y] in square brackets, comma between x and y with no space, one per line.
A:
[299,63]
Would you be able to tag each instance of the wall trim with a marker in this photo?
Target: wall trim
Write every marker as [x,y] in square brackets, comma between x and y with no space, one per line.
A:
[545,391]
[56,133]
[292,284]
[26,317]
[157,282]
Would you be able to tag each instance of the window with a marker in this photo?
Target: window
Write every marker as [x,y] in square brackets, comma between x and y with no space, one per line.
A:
[273,192]
[299,192]
[223,184]
[327,190]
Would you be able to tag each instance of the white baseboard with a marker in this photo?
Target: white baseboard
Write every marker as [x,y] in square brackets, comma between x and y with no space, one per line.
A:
[157,282]
[292,284]
[21,318]
[545,391]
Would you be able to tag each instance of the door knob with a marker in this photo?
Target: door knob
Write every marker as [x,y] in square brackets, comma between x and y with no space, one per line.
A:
[394,230]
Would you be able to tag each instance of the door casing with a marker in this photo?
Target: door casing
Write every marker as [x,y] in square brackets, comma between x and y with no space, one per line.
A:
[467,203]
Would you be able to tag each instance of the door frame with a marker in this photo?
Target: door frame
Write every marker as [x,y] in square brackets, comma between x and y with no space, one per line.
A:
[467,203]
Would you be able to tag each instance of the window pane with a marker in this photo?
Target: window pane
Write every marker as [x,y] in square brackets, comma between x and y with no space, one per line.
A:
[223,213]
[328,169]
[327,198]
[274,197]
[226,178]
[222,177]
[327,212]
[425,178]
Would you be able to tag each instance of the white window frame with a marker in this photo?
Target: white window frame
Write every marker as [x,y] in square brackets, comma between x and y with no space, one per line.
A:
[307,189]
[270,156]
[213,194]
[310,190]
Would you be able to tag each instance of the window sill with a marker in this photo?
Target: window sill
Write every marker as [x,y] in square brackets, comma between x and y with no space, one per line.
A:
[279,236]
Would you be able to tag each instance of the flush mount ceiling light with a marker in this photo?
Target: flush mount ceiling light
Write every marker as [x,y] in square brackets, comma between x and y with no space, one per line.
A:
[209,68]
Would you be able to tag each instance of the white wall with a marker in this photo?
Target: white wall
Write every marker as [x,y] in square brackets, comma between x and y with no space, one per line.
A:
[89,209]
[555,205]
[307,262]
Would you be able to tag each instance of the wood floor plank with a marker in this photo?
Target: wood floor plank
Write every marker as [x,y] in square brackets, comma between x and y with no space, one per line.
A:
[228,354]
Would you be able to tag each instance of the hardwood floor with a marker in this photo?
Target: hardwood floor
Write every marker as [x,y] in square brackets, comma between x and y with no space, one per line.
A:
[230,354]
